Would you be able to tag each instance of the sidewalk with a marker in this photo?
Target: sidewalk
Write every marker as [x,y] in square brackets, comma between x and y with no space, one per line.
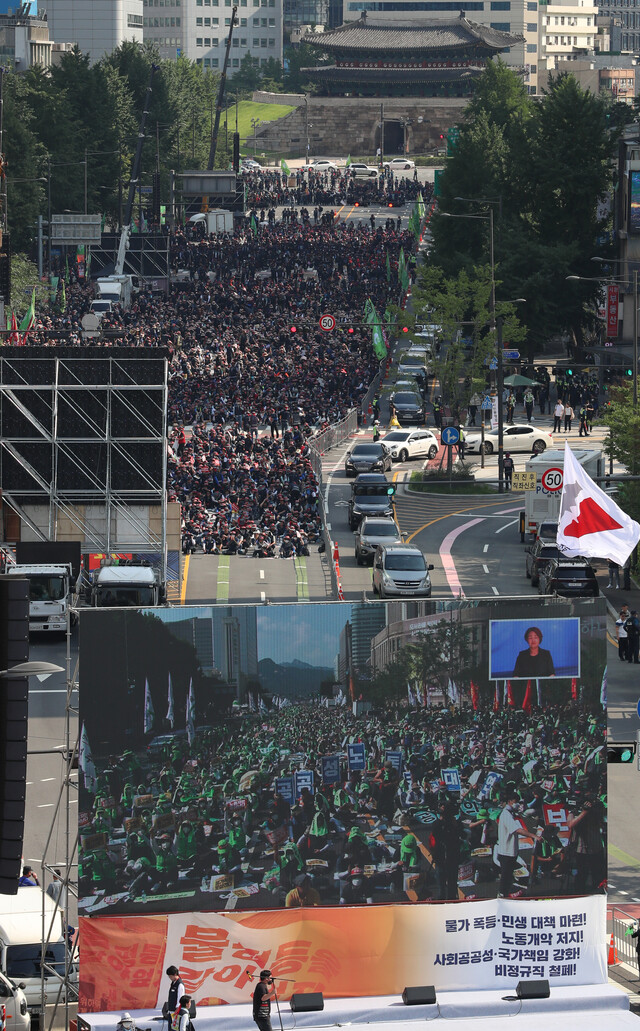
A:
[626,978]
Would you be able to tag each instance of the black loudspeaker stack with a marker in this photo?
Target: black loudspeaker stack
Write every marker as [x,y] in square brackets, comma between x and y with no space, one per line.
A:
[533,990]
[307,1003]
[14,702]
[425,995]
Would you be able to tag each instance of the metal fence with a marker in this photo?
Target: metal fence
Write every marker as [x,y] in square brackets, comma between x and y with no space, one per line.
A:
[319,446]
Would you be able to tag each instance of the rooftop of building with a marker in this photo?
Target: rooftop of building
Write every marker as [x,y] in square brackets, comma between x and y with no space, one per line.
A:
[407,37]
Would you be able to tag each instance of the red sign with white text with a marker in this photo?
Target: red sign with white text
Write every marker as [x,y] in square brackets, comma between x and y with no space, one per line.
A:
[612,309]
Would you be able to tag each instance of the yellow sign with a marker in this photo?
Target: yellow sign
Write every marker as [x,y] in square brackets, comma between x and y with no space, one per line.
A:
[523,480]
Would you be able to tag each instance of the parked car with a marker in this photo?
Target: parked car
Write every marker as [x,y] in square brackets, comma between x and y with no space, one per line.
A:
[371,495]
[405,444]
[323,165]
[400,164]
[409,406]
[413,365]
[367,457]
[372,532]
[538,556]
[401,570]
[521,437]
[358,168]
[250,165]
[569,577]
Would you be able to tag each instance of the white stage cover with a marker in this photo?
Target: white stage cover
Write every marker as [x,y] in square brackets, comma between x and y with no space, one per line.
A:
[582,1008]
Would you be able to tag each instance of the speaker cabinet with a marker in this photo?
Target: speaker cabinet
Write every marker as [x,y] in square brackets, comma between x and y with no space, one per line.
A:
[422,996]
[307,1003]
[532,990]
[14,702]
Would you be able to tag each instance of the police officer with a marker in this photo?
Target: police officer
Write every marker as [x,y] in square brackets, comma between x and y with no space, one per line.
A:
[437,412]
[507,466]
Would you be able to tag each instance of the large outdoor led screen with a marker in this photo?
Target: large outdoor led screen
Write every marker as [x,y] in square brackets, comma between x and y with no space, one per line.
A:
[522,649]
[634,202]
[251,757]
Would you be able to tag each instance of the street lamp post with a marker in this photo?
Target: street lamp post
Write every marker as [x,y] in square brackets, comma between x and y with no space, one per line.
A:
[306,126]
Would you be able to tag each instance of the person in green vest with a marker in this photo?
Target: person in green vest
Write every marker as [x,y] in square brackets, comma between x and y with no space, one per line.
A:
[186,843]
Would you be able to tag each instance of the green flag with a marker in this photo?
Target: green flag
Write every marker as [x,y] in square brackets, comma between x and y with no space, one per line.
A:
[285,168]
[63,297]
[421,207]
[29,318]
[348,161]
[388,268]
[369,312]
[254,225]
[401,265]
[53,291]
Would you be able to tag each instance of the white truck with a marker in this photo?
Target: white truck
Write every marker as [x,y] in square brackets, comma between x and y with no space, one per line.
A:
[542,503]
[114,290]
[52,569]
[23,948]
[218,220]
[126,584]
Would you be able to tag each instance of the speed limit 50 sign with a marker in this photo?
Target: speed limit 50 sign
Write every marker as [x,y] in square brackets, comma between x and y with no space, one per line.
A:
[327,322]
[552,479]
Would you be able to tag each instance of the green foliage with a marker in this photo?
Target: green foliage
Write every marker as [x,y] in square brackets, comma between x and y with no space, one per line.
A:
[24,276]
[513,151]
[622,444]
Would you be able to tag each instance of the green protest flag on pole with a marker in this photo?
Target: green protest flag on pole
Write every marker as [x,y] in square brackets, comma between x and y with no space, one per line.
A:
[29,318]
[348,161]
[53,289]
[369,312]
[254,225]
[421,207]
[63,297]
[379,346]
[285,168]
[401,265]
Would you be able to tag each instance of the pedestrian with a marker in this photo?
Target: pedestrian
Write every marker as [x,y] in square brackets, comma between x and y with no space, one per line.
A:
[591,409]
[511,406]
[636,934]
[614,575]
[621,635]
[528,403]
[176,992]
[437,412]
[461,443]
[632,626]
[507,468]
[29,878]
[509,829]
[180,1017]
[57,890]
[262,1001]
[558,413]
[446,850]
[376,430]
[568,417]
[474,401]
[583,431]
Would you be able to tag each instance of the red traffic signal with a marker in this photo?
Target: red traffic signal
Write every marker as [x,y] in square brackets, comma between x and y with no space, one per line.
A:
[294,329]
[405,329]
[351,329]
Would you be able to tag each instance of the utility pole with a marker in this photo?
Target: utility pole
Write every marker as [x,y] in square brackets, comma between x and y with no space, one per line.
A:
[85,181]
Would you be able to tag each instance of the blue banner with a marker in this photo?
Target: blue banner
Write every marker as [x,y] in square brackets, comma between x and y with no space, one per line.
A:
[284,787]
[451,778]
[331,769]
[357,760]
[395,758]
[304,779]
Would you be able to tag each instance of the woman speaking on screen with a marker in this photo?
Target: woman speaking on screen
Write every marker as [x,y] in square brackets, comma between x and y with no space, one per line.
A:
[533,661]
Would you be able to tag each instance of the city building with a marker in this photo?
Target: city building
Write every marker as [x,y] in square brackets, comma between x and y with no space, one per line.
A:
[24,39]
[198,30]
[618,75]
[517,18]
[198,632]
[367,620]
[626,15]
[567,31]
[97,26]
[382,56]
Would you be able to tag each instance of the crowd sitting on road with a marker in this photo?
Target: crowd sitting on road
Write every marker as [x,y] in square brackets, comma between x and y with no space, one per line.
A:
[237,369]
[173,816]
[270,188]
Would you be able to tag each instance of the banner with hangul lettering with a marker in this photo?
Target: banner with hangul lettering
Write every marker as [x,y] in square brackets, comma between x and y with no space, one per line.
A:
[357,758]
[304,779]
[346,951]
[330,769]
[394,757]
[613,291]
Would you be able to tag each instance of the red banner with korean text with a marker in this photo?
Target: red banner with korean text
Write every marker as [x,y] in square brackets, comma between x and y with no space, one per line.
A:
[613,293]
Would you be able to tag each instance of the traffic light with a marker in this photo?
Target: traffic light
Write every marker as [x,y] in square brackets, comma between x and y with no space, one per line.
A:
[391,489]
[629,372]
[351,330]
[293,329]
[441,135]
[569,372]
[621,753]
[405,329]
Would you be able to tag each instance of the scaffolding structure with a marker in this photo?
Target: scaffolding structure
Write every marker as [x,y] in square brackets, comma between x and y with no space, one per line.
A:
[83,445]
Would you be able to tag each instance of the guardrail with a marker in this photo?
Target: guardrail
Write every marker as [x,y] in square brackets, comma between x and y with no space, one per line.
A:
[625,945]
[335,434]
[318,446]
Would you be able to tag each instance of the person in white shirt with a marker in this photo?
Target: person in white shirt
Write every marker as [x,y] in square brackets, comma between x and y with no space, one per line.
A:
[509,828]
[558,412]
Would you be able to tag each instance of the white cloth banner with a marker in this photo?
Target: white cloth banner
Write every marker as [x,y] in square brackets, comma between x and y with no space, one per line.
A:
[354,950]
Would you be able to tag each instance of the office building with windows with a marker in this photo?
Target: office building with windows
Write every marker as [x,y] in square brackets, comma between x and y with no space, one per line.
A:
[517,18]
[567,31]
[97,26]
[199,30]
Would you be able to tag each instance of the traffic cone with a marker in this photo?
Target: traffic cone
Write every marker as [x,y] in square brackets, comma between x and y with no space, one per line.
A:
[336,554]
[613,952]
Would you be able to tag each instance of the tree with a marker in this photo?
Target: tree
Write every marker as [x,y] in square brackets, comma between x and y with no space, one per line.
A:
[622,444]
[440,655]
[24,155]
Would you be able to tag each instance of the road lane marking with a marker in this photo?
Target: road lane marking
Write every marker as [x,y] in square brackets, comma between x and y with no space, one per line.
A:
[486,568]
[448,515]
[263,596]
[222,580]
[262,574]
[494,589]
[622,856]
[302,581]
[46,805]
[43,780]
[485,548]
[447,560]
[501,528]
[185,577]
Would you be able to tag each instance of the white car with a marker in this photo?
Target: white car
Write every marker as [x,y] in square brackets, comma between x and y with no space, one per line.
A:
[405,444]
[399,164]
[323,165]
[358,168]
[521,437]
[249,165]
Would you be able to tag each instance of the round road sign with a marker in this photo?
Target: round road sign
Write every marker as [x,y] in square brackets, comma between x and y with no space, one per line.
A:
[552,480]
[450,435]
[327,322]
